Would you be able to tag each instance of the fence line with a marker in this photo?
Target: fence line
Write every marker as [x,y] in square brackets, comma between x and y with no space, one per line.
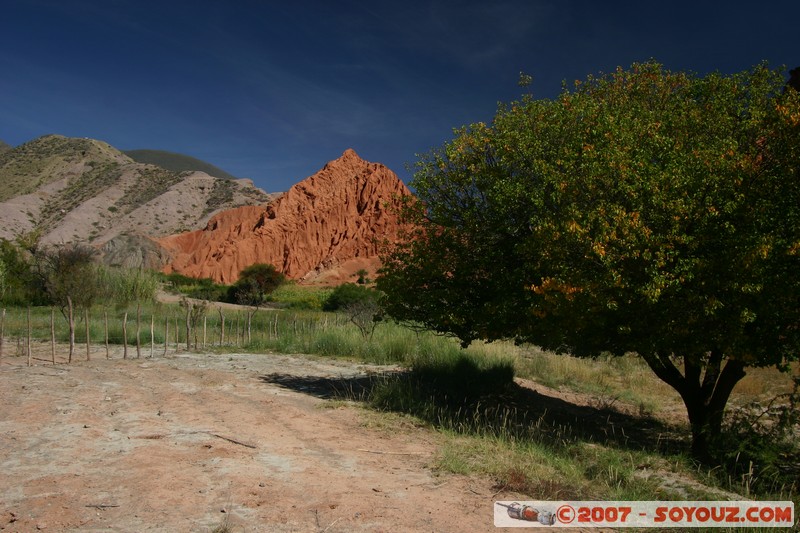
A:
[32,329]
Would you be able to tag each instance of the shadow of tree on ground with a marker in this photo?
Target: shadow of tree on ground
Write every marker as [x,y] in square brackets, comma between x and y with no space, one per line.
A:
[473,402]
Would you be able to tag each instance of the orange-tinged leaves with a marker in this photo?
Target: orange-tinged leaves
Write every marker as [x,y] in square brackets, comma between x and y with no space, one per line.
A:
[553,286]
[599,248]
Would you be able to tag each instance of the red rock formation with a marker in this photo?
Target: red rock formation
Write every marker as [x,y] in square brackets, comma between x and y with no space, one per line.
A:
[335,216]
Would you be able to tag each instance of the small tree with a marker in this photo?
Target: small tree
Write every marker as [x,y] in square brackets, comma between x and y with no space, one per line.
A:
[3,275]
[255,283]
[644,211]
[196,310]
[362,276]
[22,285]
[68,274]
[361,304]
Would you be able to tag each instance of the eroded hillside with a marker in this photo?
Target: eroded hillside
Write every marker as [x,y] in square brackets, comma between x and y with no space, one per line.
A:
[84,190]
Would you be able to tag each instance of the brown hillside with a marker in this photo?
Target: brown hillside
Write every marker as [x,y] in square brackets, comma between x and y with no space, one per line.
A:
[83,190]
[335,218]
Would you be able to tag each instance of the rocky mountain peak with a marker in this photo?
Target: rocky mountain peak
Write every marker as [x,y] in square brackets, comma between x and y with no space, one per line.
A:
[335,217]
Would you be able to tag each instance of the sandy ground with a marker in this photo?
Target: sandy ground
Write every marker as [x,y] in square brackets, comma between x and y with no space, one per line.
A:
[194,441]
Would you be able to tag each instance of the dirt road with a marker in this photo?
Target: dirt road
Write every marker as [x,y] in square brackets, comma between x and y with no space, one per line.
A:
[193,442]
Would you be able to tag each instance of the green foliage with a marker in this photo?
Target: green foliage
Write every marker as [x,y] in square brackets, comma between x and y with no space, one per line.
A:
[122,286]
[348,294]
[34,164]
[761,442]
[68,274]
[221,194]
[3,276]
[294,296]
[255,283]
[362,276]
[21,285]
[435,382]
[643,211]
[80,188]
[150,183]
[199,288]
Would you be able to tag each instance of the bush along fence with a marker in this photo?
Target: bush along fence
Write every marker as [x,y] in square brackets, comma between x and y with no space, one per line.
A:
[40,334]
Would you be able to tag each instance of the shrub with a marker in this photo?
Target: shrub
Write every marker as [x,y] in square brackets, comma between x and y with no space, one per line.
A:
[255,283]
[349,294]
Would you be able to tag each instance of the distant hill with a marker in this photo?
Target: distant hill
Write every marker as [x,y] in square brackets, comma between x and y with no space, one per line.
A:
[323,230]
[4,146]
[84,190]
[176,162]
[50,158]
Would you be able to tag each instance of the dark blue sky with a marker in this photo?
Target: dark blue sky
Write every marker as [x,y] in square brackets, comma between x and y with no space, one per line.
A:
[273,90]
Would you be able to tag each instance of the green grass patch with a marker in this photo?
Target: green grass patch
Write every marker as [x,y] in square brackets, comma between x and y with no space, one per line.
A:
[293,296]
[526,443]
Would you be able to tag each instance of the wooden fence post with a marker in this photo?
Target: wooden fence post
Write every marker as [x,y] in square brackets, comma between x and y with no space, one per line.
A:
[88,345]
[238,337]
[188,327]
[204,331]
[105,320]
[152,336]
[176,335]
[29,336]
[166,335]
[2,331]
[71,318]
[221,326]
[138,330]
[53,334]
[125,336]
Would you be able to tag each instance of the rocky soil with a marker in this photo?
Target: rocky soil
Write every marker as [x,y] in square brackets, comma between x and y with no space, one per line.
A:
[192,442]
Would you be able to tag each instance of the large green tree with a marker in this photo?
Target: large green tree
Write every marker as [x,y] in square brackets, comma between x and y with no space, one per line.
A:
[643,211]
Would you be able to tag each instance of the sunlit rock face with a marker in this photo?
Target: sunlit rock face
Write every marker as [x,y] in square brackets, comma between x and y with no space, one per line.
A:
[339,216]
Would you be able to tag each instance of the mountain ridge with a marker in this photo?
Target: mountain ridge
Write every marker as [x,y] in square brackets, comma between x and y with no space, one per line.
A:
[333,220]
[83,190]
[61,190]
[176,162]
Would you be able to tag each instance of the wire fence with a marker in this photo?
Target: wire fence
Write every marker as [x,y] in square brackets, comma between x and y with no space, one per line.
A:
[41,335]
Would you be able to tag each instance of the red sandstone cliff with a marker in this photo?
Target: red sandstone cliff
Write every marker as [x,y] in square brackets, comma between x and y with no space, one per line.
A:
[337,216]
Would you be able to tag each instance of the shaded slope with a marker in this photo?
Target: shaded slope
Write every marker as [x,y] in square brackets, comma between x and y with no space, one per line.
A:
[176,162]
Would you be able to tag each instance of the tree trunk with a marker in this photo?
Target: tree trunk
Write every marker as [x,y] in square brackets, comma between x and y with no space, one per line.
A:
[705,399]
